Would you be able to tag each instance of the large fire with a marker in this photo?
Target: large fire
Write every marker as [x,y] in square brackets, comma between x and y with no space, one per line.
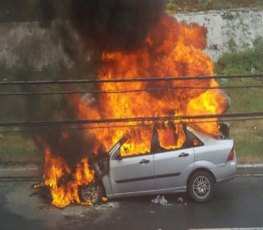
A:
[65,192]
[171,49]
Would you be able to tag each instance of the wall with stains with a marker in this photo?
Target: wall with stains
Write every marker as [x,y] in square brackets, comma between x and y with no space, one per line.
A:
[228,31]
[26,43]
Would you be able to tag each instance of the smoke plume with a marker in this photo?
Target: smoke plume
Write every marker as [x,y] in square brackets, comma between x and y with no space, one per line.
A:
[86,28]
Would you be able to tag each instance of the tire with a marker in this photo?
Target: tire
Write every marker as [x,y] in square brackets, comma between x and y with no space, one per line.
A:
[91,193]
[201,186]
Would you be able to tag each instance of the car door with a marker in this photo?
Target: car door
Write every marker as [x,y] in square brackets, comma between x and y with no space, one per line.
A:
[169,167]
[131,174]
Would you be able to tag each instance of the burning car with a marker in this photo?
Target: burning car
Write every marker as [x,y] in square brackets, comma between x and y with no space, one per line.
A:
[201,162]
[166,74]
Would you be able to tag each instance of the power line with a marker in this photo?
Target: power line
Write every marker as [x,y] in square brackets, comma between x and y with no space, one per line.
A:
[127,120]
[126,91]
[128,80]
[81,128]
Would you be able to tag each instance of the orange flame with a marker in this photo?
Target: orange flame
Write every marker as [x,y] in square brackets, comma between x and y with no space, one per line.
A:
[63,190]
[170,49]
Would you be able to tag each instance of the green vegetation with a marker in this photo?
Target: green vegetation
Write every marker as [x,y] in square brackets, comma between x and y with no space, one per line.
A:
[16,148]
[21,107]
[248,135]
[248,138]
[246,62]
[203,5]
[19,147]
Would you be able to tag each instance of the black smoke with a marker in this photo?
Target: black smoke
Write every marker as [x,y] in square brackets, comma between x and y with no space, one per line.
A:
[86,28]
[105,24]
[115,24]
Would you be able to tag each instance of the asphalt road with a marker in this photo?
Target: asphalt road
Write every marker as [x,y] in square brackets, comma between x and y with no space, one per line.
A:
[238,203]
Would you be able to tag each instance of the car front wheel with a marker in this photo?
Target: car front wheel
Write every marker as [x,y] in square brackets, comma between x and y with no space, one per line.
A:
[91,193]
[201,186]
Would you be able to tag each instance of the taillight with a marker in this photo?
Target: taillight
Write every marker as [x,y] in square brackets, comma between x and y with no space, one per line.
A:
[231,155]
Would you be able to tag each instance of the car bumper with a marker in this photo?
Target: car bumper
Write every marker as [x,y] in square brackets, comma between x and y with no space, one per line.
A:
[226,172]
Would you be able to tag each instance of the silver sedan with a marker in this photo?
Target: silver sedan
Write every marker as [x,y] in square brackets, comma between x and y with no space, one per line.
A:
[195,169]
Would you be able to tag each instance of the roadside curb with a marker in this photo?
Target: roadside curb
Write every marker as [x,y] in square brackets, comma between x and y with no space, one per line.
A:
[20,171]
[30,171]
[250,169]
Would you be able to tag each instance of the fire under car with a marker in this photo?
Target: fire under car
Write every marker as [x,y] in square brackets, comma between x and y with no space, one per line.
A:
[194,168]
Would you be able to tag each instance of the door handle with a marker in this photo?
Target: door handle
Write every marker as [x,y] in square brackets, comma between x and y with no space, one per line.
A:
[144,161]
[184,155]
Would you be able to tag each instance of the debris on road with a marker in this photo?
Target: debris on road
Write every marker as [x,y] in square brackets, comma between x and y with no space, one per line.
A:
[42,190]
[163,201]
[180,200]
[160,200]
[156,200]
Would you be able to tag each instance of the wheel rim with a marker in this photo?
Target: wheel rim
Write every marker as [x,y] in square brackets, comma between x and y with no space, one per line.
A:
[91,193]
[201,187]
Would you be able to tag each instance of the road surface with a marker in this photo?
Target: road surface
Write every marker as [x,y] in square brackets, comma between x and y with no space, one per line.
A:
[236,204]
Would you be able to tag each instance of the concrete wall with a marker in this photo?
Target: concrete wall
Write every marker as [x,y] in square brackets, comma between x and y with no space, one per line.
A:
[26,43]
[228,30]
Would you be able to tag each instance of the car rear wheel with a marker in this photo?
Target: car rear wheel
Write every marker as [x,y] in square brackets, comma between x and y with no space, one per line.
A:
[91,193]
[201,186]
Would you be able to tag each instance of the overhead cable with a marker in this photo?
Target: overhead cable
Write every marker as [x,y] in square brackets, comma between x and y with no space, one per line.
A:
[43,93]
[87,128]
[127,120]
[128,80]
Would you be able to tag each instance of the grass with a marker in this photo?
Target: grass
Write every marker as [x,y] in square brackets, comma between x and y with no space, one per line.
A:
[174,6]
[245,62]
[248,135]
[18,149]
[248,138]
[246,100]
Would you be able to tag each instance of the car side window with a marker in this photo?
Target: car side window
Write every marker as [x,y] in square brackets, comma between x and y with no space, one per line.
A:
[127,148]
[138,142]
[134,149]
[191,140]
